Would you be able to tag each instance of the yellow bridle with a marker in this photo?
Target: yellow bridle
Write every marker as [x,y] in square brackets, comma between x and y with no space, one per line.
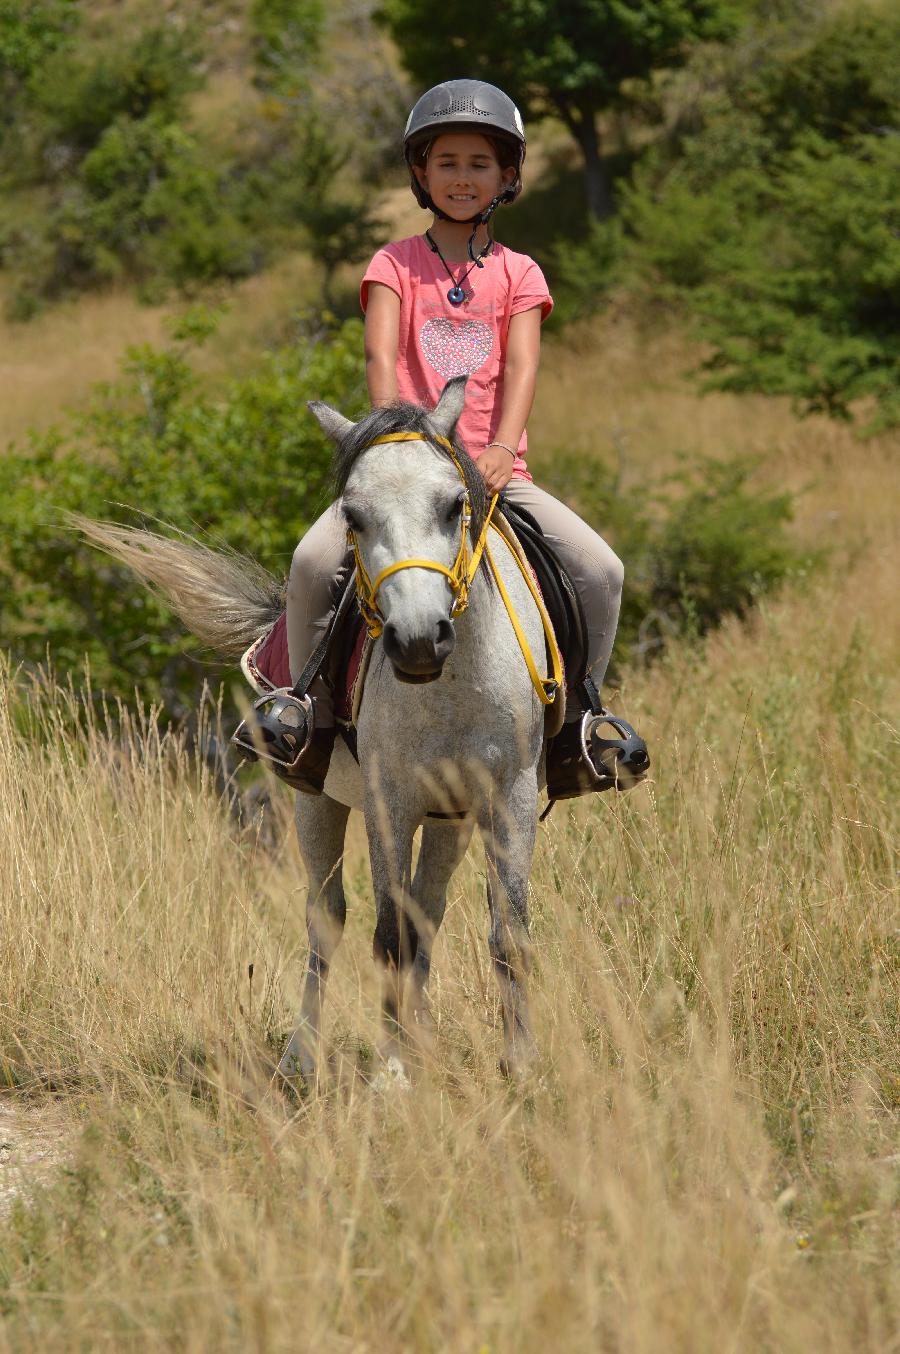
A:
[460,576]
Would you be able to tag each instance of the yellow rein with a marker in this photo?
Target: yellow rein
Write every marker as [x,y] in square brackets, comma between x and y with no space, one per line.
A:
[460,577]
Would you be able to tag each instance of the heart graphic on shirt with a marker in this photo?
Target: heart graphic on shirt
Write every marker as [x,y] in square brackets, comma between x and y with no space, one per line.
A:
[455,347]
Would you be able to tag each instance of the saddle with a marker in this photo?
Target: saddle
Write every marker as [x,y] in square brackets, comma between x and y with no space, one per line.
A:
[342,656]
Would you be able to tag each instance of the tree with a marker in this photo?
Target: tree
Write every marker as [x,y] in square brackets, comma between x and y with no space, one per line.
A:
[304,181]
[776,221]
[572,59]
[30,30]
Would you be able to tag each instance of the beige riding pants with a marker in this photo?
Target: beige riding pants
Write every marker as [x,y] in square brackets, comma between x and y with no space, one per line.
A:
[596,571]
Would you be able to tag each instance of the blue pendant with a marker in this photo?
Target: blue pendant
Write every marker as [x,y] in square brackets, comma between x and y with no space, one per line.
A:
[456,296]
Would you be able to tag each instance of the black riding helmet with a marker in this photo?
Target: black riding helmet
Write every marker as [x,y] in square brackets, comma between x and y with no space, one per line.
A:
[465,106]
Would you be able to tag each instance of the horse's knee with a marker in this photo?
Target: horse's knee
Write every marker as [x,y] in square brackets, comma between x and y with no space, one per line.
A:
[396,940]
[325,925]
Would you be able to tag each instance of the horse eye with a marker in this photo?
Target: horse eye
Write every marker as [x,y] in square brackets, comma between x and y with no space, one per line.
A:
[353,523]
[457,506]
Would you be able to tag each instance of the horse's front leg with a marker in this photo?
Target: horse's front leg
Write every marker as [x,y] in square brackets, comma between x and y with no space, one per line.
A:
[390,826]
[321,827]
[443,847]
[508,824]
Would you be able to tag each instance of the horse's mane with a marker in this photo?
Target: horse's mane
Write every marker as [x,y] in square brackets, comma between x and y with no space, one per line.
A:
[403,417]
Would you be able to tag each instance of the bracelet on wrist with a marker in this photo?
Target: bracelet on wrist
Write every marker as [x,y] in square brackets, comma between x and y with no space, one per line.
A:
[512,453]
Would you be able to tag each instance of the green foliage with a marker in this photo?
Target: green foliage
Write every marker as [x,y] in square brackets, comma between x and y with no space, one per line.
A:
[78,96]
[145,204]
[250,471]
[304,183]
[132,192]
[570,60]
[29,31]
[773,214]
[287,42]
[810,307]
[841,84]
[120,186]
[697,547]
[582,271]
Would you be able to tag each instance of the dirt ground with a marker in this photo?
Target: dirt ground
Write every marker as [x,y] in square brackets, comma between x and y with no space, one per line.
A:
[32,1142]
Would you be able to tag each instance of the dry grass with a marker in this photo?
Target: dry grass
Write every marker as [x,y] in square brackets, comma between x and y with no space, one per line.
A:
[708,1159]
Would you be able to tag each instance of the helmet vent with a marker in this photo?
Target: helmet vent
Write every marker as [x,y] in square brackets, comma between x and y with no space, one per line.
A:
[461,106]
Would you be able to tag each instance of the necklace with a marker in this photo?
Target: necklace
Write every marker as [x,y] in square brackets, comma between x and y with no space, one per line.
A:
[456,296]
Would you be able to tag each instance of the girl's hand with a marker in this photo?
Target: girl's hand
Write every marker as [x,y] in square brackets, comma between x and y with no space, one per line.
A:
[496,466]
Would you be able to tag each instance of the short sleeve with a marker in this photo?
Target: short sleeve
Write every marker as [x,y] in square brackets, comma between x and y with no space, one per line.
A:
[531,290]
[383,268]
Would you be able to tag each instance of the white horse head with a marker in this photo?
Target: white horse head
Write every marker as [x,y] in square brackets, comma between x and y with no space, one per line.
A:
[404,501]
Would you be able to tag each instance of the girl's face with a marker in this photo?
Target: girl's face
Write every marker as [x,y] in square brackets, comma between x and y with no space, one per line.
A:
[462,175]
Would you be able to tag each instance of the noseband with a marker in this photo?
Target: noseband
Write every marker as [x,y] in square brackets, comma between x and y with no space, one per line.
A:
[460,577]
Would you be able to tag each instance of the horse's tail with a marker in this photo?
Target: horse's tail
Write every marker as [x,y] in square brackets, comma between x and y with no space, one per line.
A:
[224,598]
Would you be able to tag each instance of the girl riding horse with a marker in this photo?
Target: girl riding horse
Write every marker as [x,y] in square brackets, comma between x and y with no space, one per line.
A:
[447,303]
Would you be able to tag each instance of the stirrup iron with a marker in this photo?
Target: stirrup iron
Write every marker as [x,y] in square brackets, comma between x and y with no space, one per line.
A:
[279,729]
[624,760]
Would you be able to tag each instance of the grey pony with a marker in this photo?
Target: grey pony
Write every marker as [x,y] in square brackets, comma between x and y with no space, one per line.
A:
[469,743]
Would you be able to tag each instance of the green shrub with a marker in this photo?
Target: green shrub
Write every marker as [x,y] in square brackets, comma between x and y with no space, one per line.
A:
[583,271]
[698,546]
[840,84]
[250,471]
[808,307]
[79,95]
[144,204]
[132,193]
[30,31]
[287,42]
[302,183]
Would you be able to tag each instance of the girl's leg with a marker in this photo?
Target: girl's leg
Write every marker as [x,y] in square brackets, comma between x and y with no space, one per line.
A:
[596,570]
[310,601]
[300,751]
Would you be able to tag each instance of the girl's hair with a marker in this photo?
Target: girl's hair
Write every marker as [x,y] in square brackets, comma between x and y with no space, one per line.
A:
[505,149]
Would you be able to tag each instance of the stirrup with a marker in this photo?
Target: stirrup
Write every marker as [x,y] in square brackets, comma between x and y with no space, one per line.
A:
[624,760]
[580,762]
[279,730]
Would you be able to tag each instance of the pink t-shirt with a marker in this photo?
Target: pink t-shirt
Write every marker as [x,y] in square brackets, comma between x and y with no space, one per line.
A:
[439,341]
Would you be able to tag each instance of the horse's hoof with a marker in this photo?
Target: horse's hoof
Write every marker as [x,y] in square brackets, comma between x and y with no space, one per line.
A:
[392,1077]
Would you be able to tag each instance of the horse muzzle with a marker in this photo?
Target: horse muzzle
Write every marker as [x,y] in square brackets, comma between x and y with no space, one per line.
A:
[419,658]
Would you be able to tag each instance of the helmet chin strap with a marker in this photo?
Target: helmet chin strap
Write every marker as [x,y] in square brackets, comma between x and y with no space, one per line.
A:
[482,219]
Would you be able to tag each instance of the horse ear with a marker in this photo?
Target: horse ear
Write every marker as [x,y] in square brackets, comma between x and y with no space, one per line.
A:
[329,420]
[449,407]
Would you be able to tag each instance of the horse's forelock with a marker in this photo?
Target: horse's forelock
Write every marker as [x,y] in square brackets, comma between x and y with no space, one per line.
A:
[403,417]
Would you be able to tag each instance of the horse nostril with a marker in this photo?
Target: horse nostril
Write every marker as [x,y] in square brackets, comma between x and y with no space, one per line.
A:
[390,641]
[444,639]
